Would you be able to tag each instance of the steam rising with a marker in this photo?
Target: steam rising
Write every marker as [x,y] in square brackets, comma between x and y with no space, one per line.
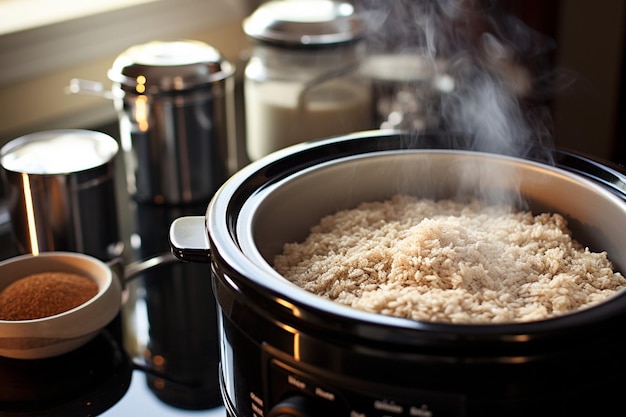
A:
[488,54]
[484,107]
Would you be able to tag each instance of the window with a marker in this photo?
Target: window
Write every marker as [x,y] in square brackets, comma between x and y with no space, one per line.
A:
[75,31]
[44,44]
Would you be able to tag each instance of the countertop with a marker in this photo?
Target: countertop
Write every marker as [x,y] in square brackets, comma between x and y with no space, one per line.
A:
[159,357]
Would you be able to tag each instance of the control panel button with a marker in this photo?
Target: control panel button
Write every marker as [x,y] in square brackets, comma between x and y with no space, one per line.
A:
[299,406]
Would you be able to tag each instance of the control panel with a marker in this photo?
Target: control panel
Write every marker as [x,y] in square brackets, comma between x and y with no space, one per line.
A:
[297,393]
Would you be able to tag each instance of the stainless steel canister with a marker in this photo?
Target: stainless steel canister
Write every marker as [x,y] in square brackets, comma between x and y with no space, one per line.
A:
[60,187]
[175,102]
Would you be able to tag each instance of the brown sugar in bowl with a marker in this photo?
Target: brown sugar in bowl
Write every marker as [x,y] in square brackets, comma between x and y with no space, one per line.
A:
[45,294]
[67,330]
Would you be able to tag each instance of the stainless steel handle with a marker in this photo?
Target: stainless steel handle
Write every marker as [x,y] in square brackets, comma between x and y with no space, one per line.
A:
[189,240]
[128,272]
[134,269]
[87,87]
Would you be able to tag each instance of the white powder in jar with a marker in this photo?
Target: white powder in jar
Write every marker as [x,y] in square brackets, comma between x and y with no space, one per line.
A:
[277,116]
[445,261]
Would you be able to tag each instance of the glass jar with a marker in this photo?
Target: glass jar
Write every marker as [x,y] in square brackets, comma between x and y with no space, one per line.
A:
[304,79]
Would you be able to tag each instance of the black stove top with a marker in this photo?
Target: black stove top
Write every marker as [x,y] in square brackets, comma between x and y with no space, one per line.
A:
[159,357]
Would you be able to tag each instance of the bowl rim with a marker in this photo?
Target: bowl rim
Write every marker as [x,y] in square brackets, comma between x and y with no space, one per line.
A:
[105,285]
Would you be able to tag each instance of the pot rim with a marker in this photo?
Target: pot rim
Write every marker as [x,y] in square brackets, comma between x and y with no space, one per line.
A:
[221,225]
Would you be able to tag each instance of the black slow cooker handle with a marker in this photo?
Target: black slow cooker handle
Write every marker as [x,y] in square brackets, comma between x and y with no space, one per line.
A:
[188,239]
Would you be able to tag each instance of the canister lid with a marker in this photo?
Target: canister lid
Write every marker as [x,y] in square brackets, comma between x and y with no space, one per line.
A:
[62,151]
[304,23]
[161,66]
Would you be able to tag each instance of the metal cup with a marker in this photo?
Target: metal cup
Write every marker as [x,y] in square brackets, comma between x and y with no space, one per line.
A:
[61,193]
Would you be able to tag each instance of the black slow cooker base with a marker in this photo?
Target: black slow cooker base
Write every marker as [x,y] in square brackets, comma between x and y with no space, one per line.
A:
[585,380]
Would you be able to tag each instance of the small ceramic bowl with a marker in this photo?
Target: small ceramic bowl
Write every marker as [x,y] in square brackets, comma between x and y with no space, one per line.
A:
[64,332]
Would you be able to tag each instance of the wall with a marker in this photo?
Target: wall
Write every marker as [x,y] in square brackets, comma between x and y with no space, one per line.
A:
[589,59]
[38,64]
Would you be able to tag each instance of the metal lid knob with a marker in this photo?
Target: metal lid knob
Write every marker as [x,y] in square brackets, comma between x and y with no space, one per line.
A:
[157,66]
[304,23]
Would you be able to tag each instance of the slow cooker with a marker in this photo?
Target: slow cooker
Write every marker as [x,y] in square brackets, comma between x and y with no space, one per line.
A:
[287,352]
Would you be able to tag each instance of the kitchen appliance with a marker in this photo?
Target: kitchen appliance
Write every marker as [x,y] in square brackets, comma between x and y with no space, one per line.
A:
[287,352]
